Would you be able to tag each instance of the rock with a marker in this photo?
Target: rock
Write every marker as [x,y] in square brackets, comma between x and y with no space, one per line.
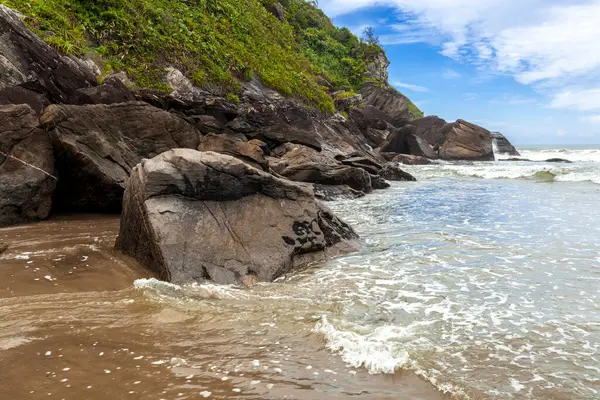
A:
[304,164]
[396,141]
[27,62]
[19,95]
[503,146]
[338,192]
[193,216]
[113,90]
[558,160]
[96,146]
[392,172]
[466,141]
[26,167]
[418,145]
[430,129]
[378,182]
[3,247]
[378,68]
[277,10]
[388,156]
[365,163]
[516,159]
[345,103]
[411,160]
[236,146]
[387,100]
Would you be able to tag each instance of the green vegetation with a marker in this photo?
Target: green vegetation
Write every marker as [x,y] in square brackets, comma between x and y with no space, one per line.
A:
[215,43]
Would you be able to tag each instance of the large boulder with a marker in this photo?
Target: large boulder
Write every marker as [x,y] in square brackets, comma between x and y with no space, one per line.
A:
[193,216]
[466,141]
[430,129]
[503,145]
[29,63]
[26,167]
[96,146]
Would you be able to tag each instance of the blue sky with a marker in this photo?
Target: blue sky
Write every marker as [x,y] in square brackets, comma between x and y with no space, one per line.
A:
[527,68]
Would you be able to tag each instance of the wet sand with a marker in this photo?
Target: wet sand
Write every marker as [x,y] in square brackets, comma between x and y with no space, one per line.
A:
[72,326]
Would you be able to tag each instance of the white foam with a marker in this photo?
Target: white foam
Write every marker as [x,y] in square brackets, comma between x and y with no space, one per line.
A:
[372,351]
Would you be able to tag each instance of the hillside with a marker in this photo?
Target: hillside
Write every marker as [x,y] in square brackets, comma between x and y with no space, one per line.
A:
[215,43]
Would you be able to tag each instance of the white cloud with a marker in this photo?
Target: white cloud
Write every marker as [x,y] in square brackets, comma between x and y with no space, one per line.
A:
[577,99]
[409,86]
[591,119]
[550,44]
[451,74]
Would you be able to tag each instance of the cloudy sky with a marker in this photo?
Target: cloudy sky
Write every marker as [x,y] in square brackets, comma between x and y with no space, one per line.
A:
[528,68]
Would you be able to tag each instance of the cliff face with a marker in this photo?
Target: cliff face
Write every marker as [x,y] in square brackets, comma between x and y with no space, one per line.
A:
[291,46]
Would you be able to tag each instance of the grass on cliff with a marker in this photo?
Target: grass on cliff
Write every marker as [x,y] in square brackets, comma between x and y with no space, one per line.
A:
[215,43]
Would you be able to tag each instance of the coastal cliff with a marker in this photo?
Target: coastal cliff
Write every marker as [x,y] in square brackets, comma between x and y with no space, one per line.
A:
[100,87]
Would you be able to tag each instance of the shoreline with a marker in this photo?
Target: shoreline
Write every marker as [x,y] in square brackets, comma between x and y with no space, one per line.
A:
[88,315]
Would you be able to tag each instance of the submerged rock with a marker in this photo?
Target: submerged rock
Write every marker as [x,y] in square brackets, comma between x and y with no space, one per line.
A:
[26,167]
[191,216]
[392,172]
[336,192]
[96,146]
[559,160]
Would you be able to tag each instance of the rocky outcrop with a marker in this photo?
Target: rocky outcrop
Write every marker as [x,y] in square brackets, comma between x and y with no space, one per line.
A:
[112,91]
[26,167]
[377,69]
[193,216]
[96,146]
[304,164]
[503,146]
[392,172]
[277,10]
[411,160]
[466,141]
[33,72]
[387,100]
[236,145]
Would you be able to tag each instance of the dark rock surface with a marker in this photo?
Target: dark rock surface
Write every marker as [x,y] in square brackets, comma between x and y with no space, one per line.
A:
[26,167]
[387,100]
[559,160]
[392,172]
[339,192]
[466,141]
[304,164]
[236,145]
[503,145]
[110,92]
[29,63]
[411,160]
[96,146]
[193,216]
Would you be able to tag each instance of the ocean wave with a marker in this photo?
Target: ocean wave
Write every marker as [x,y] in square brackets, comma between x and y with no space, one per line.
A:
[193,291]
[379,353]
[373,352]
[575,155]
[541,172]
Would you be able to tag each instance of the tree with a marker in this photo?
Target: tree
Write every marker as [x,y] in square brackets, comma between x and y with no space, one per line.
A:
[369,36]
